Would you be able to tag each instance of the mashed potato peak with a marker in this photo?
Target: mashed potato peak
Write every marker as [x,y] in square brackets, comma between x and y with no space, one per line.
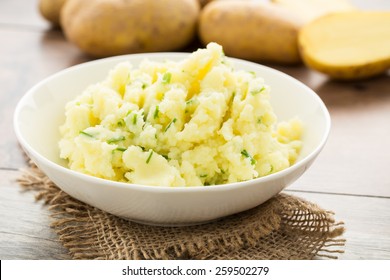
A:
[188,123]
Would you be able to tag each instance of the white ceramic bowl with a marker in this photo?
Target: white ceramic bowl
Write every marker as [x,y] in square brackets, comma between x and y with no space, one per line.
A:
[41,111]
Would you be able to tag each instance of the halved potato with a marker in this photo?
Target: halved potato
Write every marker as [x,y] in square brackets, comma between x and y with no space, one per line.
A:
[347,45]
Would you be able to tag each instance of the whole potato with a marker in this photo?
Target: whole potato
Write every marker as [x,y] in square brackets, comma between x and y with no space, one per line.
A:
[50,10]
[252,30]
[204,2]
[112,27]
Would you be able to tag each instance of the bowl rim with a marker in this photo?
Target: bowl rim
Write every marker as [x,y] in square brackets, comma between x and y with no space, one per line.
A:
[221,187]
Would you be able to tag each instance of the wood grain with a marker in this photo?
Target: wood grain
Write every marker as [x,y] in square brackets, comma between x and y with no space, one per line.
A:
[356,158]
[27,58]
[24,224]
[25,234]
[366,221]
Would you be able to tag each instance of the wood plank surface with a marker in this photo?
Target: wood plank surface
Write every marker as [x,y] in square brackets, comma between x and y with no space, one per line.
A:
[350,177]
[25,231]
[24,224]
[366,221]
[356,158]
[27,58]
[21,13]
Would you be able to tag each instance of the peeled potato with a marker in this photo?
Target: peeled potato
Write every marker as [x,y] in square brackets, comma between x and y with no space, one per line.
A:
[347,45]
[251,30]
[50,10]
[113,27]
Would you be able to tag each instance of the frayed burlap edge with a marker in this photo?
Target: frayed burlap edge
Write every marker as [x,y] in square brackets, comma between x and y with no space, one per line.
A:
[285,227]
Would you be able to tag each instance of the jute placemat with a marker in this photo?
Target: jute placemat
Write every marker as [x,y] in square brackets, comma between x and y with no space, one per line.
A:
[285,227]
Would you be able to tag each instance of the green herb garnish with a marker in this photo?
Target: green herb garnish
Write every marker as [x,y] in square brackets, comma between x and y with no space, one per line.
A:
[144,86]
[155,115]
[121,123]
[86,134]
[135,119]
[116,139]
[165,156]
[247,155]
[166,79]
[256,91]
[169,125]
[232,98]
[149,157]
[203,176]
[121,149]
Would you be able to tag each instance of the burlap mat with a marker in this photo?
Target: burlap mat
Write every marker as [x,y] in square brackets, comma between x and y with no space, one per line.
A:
[285,227]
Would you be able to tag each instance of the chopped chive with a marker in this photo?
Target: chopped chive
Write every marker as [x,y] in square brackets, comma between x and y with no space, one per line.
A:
[166,79]
[86,134]
[121,123]
[272,169]
[232,98]
[144,86]
[121,149]
[223,171]
[156,112]
[149,157]
[169,125]
[256,91]
[117,139]
[135,119]
[247,155]
[188,102]
[259,120]
[203,176]
[128,113]
[253,73]
[165,156]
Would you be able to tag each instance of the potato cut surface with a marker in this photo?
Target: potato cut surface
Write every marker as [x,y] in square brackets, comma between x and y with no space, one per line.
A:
[348,45]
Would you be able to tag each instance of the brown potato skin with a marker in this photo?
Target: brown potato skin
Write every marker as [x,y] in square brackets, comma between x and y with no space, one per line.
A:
[113,27]
[252,30]
[50,10]
[204,2]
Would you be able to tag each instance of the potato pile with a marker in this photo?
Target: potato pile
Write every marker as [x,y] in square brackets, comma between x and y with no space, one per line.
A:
[331,36]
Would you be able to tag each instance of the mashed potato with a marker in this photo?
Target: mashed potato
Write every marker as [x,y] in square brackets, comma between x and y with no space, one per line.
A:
[189,123]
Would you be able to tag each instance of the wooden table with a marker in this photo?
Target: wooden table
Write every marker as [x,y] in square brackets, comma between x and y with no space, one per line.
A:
[350,177]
